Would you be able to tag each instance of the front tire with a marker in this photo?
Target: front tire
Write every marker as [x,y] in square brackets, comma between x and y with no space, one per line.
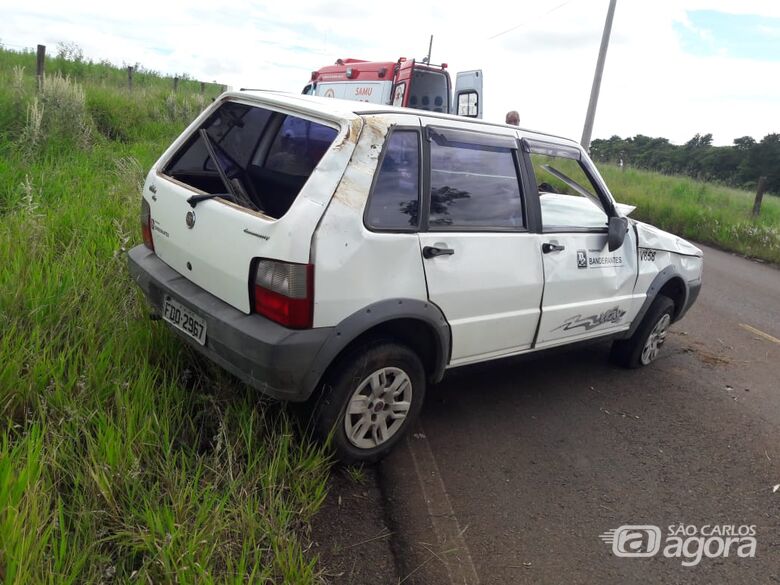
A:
[369,400]
[644,346]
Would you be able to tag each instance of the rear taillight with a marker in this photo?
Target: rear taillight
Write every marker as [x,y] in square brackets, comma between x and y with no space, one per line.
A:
[147,224]
[284,293]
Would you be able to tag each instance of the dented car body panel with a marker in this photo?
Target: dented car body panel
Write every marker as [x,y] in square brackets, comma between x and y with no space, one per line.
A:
[651,237]
[460,231]
[355,266]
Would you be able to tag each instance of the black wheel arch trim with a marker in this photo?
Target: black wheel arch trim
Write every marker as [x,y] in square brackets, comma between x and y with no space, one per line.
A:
[661,279]
[376,314]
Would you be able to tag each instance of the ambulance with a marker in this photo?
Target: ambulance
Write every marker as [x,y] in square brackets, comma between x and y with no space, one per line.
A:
[405,82]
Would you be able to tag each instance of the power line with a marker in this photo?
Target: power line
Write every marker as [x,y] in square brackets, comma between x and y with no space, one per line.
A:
[522,24]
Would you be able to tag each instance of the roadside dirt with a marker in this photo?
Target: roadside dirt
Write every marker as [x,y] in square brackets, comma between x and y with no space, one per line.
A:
[350,534]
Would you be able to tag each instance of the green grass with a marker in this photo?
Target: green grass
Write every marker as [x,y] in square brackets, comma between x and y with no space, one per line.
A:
[703,212]
[356,473]
[123,456]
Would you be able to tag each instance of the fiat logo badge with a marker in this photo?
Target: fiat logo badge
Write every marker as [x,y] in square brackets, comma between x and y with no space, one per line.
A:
[189,219]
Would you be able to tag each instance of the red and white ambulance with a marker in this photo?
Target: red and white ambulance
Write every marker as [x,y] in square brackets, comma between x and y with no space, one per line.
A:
[404,82]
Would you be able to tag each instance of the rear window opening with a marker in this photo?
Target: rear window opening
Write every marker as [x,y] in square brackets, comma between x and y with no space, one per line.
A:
[264,158]
[429,91]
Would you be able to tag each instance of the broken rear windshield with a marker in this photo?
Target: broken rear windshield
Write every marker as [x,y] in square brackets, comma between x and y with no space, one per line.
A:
[266,155]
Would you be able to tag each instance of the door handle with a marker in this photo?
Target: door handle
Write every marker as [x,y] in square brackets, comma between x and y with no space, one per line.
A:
[548,247]
[433,251]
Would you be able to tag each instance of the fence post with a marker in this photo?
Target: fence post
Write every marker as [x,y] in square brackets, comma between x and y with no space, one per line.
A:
[202,88]
[130,78]
[759,196]
[39,65]
[175,83]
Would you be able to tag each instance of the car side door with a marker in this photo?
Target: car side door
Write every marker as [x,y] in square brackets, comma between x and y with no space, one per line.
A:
[589,289]
[482,264]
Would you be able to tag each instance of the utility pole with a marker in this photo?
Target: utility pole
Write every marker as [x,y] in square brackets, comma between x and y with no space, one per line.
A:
[594,92]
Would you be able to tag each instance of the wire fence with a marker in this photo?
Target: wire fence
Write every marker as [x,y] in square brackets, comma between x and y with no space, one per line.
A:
[4,45]
[70,62]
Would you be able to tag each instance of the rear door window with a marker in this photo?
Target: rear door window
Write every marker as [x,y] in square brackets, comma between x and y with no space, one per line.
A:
[394,202]
[267,156]
[474,183]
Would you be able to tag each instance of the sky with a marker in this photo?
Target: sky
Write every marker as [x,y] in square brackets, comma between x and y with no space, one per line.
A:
[674,67]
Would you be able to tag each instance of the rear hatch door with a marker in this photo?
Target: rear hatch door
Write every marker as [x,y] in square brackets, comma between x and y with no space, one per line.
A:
[282,156]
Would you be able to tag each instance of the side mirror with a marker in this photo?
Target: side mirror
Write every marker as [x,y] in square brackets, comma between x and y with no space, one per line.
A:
[618,226]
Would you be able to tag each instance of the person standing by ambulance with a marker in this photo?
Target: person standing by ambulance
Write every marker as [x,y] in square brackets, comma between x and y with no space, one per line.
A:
[513,118]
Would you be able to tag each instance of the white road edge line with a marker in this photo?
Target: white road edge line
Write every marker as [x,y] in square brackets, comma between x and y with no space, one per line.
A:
[458,562]
[760,333]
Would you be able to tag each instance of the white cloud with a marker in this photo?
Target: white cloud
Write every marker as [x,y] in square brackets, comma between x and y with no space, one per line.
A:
[543,67]
[770,31]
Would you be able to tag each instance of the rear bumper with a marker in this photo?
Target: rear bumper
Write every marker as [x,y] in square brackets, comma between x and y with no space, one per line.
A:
[265,355]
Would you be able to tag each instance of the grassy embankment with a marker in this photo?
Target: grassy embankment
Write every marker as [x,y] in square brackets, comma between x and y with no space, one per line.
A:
[704,212]
[123,458]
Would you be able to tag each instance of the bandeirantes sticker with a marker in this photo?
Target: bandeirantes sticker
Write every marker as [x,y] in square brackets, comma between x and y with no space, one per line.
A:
[595,259]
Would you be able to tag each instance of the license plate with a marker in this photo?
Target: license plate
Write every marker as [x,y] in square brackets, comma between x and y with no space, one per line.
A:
[184,320]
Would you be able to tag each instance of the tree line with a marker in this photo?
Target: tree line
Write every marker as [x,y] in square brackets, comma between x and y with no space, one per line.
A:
[738,165]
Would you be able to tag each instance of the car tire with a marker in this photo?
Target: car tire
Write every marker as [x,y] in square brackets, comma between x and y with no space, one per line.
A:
[643,347]
[369,399]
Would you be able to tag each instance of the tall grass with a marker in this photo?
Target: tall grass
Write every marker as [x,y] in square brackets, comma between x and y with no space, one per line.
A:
[704,212]
[123,457]
[71,63]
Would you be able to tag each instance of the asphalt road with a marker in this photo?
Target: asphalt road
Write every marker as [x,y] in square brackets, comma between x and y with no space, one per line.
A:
[518,466]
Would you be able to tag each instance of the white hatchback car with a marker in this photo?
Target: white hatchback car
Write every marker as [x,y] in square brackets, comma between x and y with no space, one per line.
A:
[349,254]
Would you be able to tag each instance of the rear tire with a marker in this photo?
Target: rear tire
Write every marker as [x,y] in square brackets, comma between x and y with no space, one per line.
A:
[369,400]
[643,347]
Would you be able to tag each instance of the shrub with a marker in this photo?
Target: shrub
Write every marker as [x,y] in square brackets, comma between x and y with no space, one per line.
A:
[177,108]
[66,115]
[31,137]
[58,117]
